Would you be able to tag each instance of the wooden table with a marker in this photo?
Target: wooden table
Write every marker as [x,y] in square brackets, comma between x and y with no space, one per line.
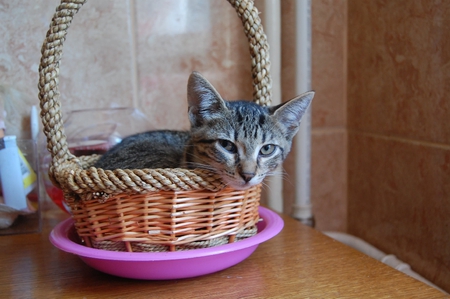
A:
[298,263]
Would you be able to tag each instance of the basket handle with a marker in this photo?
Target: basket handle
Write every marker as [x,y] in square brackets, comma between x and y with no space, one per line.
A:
[259,50]
[52,51]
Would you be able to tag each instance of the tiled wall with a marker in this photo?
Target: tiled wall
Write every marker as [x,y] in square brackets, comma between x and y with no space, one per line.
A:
[127,53]
[399,131]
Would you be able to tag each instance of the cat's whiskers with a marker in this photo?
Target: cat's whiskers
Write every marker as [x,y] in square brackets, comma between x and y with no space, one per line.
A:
[203,165]
[287,178]
[276,171]
[279,173]
[265,186]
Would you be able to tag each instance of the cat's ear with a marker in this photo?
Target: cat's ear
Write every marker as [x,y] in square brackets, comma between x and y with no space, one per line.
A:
[290,113]
[204,102]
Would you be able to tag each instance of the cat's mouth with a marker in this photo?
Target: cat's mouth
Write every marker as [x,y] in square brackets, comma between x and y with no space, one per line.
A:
[240,184]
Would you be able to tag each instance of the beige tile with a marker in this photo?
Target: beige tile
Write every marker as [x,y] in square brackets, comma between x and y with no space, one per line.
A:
[173,40]
[95,68]
[328,64]
[399,68]
[96,64]
[288,50]
[399,200]
[328,180]
[22,30]
[329,24]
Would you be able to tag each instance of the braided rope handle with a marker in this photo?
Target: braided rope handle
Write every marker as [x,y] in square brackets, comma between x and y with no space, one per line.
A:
[69,172]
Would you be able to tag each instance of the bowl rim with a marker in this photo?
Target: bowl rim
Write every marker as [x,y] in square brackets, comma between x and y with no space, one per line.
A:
[59,238]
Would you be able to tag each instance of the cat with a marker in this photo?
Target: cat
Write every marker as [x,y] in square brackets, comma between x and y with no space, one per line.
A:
[240,140]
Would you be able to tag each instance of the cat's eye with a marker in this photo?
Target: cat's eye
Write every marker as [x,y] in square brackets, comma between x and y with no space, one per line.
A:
[267,149]
[228,145]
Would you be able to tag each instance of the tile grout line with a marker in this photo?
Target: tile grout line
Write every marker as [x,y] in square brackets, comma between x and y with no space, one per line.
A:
[402,139]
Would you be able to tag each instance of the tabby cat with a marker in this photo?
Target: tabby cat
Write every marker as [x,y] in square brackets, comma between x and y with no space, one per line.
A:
[240,140]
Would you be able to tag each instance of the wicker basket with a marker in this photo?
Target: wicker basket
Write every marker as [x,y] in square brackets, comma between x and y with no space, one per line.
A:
[147,209]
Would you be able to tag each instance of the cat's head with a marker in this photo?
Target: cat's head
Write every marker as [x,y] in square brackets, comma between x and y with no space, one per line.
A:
[242,141]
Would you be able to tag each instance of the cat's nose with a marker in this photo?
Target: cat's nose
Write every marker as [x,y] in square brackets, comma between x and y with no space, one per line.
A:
[247,176]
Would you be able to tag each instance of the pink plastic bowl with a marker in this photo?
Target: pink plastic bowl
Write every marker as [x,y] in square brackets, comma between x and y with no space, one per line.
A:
[166,265]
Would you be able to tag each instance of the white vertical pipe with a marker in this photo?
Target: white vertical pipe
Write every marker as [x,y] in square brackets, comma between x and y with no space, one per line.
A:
[272,27]
[302,208]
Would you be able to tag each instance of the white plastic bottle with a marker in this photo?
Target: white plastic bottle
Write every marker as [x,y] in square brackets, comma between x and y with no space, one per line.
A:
[11,174]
